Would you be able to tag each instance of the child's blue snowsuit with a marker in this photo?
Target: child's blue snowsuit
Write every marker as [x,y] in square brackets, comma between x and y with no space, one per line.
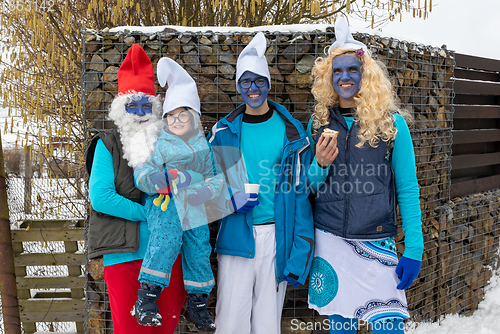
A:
[169,236]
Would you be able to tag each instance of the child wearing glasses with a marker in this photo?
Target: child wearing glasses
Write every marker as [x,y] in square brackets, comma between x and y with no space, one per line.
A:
[181,170]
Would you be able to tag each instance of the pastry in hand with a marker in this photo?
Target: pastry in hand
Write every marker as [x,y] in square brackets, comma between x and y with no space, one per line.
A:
[329,133]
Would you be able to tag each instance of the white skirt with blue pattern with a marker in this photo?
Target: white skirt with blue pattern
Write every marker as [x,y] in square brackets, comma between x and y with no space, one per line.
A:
[356,279]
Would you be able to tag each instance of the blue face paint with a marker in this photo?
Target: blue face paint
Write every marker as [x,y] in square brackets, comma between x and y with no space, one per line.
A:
[254,95]
[346,76]
[140,107]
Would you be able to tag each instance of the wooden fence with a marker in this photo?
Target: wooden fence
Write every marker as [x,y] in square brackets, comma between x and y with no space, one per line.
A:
[476,132]
[54,305]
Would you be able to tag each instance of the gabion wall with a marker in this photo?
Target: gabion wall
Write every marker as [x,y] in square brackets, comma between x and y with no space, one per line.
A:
[421,74]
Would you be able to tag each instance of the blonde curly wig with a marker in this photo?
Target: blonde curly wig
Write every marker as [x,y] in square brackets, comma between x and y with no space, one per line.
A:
[375,101]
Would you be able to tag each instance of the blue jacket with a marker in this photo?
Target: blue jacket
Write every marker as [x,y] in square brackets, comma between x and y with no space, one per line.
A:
[357,201]
[171,152]
[293,215]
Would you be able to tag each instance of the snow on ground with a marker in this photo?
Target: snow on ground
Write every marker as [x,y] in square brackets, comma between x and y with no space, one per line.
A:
[8,138]
[485,320]
[51,199]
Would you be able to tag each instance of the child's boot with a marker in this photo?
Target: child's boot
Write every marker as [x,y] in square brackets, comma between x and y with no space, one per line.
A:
[197,312]
[146,309]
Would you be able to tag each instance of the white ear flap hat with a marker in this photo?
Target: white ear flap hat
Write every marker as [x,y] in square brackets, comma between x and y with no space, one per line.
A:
[182,91]
[344,37]
[253,59]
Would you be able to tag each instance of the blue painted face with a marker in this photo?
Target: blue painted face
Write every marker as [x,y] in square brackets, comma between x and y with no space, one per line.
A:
[140,107]
[254,89]
[346,76]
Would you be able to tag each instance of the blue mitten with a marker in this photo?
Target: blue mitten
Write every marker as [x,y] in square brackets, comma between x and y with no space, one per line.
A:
[407,270]
[292,281]
[240,202]
[160,180]
[184,179]
[200,196]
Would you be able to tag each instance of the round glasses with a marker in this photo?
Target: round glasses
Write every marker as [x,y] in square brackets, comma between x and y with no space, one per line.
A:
[260,82]
[182,117]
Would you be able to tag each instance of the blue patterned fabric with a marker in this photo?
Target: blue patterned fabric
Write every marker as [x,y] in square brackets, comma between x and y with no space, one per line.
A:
[323,282]
[383,251]
[377,310]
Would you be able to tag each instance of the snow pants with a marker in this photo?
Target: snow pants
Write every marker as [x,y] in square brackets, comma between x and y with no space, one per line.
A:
[167,241]
[122,283]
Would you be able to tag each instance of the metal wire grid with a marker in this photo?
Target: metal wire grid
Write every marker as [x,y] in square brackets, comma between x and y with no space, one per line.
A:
[421,76]
[51,199]
[468,235]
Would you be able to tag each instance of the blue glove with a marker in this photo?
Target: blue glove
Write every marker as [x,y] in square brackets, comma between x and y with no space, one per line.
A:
[240,202]
[160,179]
[407,270]
[292,281]
[200,197]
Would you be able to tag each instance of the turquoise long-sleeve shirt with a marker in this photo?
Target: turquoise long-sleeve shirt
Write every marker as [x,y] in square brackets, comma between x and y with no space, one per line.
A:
[405,175]
[261,145]
[104,198]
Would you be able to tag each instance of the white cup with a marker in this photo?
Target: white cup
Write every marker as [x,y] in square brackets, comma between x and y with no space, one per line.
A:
[252,188]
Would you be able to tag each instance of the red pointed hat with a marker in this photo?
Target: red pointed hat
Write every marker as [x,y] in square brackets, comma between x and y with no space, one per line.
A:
[136,73]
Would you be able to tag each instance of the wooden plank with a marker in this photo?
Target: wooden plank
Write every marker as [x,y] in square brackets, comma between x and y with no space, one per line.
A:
[474,186]
[476,75]
[55,223]
[466,111]
[50,282]
[48,234]
[52,316]
[72,247]
[51,305]
[465,174]
[52,294]
[475,160]
[474,123]
[48,259]
[476,148]
[475,99]
[478,63]
[472,87]
[475,136]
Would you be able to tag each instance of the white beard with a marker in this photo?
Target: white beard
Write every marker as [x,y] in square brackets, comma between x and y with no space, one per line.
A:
[138,134]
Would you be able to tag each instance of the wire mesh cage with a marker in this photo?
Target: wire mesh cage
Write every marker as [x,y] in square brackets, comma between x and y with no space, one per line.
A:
[421,75]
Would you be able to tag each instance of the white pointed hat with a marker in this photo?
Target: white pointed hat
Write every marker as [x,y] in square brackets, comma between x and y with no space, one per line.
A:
[344,37]
[182,91]
[253,59]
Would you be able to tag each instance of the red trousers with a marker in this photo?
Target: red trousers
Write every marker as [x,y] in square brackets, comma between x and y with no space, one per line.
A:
[122,283]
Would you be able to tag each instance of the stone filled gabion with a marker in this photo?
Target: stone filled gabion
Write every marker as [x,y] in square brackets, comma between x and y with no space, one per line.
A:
[451,276]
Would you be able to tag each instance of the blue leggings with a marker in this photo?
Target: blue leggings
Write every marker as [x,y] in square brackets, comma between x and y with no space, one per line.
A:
[341,325]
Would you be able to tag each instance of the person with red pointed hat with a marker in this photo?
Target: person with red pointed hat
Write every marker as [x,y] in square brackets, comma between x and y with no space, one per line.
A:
[118,230]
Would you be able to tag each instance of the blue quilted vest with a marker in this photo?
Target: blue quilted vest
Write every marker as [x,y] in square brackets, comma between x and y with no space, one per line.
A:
[357,201]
